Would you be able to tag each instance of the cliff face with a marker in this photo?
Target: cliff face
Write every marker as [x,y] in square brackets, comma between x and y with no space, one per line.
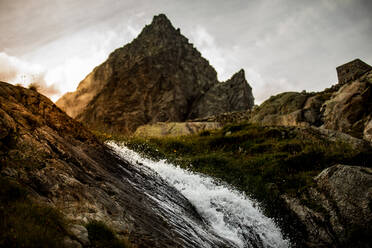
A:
[346,107]
[233,95]
[64,166]
[159,76]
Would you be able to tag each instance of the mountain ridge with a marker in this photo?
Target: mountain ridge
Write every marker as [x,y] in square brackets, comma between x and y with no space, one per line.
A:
[159,76]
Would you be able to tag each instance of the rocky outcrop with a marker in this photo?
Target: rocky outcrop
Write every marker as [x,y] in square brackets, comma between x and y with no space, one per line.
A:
[64,166]
[346,107]
[284,109]
[226,118]
[158,77]
[233,95]
[162,129]
[337,211]
[350,108]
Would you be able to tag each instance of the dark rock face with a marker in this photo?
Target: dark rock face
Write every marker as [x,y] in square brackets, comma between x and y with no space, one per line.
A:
[158,77]
[66,167]
[346,108]
[233,95]
[340,214]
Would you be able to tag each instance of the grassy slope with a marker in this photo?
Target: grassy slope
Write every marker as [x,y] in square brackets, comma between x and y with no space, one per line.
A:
[25,223]
[264,162]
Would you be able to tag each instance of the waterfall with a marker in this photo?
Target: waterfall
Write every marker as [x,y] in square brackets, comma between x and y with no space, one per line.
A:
[229,213]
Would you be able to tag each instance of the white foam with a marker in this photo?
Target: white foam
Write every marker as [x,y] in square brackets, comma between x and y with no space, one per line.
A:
[231,214]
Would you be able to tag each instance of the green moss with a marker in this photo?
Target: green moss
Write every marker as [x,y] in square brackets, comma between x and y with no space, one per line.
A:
[100,235]
[24,223]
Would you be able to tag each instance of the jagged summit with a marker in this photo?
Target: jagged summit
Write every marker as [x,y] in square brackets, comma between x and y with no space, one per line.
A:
[157,77]
[239,74]
[162,27]
[161,21]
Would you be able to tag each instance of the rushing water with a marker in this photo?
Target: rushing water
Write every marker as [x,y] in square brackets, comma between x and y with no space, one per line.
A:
[229,213]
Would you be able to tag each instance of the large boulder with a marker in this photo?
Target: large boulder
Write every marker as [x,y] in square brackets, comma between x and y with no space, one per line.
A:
[162,129]
[350,108]
[337,210]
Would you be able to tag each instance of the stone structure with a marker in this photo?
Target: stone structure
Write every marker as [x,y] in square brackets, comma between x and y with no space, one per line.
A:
[345,108]
[351,71]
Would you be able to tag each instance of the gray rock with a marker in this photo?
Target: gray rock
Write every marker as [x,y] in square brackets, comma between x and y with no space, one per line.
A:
[339,213]
[233,95]
[69,243]
[81,234]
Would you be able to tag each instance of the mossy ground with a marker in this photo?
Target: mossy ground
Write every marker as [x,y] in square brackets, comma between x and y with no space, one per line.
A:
[264,162]
[25,223]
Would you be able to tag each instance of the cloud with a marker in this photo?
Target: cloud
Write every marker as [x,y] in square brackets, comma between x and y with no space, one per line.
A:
[16,71]
[222,59]
[76,56]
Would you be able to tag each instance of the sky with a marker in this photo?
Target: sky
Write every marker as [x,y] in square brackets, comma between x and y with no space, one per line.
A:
[283,45]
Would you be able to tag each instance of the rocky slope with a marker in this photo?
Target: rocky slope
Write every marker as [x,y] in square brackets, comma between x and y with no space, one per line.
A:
[64,166]
[346,107]
[159,76]
[341,213]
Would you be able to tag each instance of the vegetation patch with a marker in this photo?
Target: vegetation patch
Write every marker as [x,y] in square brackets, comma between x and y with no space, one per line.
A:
[24,223]
[101,236]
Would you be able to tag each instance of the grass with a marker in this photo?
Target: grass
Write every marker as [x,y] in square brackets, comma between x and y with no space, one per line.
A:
[264,162]
[24,223]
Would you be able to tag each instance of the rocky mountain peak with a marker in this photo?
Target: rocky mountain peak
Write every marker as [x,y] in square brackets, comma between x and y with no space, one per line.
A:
[238,77]
[161,22]
[161,33]
[157,77]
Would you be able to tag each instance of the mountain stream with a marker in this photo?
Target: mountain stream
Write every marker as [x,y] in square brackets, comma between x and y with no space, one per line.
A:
[229,218]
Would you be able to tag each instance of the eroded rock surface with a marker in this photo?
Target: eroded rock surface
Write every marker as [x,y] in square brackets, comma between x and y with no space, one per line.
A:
[65,166]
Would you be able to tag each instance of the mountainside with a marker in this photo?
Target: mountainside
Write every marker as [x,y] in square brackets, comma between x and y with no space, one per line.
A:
[345,107]
[158,77]
[63,166]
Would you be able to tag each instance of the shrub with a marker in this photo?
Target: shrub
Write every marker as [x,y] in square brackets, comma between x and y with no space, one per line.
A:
[100,235]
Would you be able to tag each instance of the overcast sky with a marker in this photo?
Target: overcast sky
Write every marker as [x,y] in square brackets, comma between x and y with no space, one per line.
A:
[283,45]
